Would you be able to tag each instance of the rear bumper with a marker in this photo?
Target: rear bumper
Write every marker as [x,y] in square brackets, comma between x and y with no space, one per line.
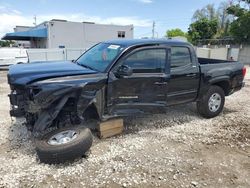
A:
[239,87]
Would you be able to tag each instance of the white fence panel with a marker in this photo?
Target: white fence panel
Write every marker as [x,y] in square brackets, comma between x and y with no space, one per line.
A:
[53,54]
[56,55]
[73,54]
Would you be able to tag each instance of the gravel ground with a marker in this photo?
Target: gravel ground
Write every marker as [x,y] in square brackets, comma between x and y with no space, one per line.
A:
[176,149]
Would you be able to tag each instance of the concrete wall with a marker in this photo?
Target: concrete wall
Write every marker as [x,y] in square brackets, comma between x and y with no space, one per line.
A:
[244,55]
[82,35]
[216,53]
[234,53]
[203,52]
[219,53]
[238,54]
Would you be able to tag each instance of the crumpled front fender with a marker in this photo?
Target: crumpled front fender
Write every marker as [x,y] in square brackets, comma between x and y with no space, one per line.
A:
[47,116]
[50,106]
[50,94]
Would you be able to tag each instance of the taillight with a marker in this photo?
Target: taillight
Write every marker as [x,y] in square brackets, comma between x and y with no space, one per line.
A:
[244,71]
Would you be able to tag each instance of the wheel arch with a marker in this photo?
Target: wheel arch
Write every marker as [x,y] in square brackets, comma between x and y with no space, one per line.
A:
[88,103]
[224,84]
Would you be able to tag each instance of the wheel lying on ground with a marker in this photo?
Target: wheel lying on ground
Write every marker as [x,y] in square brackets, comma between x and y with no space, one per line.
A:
[64,144]
[212,103]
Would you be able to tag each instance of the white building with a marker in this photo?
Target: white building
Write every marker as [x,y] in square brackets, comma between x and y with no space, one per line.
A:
[66,34]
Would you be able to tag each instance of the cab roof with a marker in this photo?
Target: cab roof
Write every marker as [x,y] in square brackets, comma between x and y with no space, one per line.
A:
[135,42]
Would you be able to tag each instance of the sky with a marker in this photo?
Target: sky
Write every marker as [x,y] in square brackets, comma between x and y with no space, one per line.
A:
[167,14]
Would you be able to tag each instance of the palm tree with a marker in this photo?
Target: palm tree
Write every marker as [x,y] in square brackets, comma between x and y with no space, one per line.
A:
[208,12]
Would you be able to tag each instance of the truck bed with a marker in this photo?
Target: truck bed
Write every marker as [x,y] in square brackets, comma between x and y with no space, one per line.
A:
[216,67]
[213,61]
[228,71]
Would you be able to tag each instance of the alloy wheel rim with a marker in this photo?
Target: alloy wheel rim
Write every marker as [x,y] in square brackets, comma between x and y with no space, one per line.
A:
[63,137]
[214,102]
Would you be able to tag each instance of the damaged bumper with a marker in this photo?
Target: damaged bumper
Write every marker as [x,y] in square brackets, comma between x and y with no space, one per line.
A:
[17,104]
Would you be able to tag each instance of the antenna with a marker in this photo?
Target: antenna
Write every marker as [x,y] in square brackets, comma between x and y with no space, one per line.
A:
[34,20]
[153,30]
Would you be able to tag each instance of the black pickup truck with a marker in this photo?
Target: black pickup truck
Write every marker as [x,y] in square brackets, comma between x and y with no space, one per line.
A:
[113,79]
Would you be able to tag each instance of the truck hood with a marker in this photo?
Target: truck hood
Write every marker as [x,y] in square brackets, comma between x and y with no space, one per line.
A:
[23,74]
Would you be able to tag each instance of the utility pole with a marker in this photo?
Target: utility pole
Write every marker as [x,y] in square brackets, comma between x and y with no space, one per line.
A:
[34,20]
[153,30]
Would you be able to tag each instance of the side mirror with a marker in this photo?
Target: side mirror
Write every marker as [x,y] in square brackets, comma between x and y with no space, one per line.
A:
[124,70]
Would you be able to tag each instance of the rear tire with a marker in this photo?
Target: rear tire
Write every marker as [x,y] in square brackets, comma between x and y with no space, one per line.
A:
[212,103]
[64,144]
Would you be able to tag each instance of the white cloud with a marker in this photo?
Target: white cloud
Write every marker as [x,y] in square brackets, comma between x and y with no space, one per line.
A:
[6,9]
[146,1]
[111,20]
[11,18]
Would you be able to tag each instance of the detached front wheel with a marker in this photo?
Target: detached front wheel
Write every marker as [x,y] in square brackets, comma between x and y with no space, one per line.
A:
[64,144]
[212,103]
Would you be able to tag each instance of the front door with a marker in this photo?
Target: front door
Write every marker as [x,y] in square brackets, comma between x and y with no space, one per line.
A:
[146,88]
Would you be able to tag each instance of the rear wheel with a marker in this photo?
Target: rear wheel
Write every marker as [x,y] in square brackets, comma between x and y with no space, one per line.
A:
[212,103]
[64,144]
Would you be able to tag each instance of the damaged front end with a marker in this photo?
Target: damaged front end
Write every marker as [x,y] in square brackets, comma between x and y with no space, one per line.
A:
[46,105]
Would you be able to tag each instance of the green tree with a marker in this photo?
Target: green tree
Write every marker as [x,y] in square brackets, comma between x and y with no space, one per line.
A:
[240,27]
[175,33]
[211,13]
[202,29]
[5,43]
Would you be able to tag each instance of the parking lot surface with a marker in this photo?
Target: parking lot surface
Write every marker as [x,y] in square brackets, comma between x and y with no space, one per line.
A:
[175,149]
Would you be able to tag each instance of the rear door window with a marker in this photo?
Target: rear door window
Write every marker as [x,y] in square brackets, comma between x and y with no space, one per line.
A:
[180,56]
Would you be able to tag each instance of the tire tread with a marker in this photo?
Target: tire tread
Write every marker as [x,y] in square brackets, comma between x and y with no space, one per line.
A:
[68,152]
[202,104]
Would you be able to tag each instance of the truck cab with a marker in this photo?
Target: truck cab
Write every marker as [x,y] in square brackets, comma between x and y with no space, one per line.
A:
[153,76]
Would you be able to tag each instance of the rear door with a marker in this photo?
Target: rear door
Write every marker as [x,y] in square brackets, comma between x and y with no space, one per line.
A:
[145,90]
[184,82]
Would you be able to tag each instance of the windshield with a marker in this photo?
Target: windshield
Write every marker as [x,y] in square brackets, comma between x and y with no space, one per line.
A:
[100,56]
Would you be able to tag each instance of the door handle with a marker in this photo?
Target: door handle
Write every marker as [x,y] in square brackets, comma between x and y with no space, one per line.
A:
[191,75]
[161,83]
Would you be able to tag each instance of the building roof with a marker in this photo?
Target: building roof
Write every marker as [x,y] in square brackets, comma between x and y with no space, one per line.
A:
[27,35]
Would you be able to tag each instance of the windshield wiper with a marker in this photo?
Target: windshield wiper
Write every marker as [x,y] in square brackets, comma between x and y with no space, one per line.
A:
[86,66]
